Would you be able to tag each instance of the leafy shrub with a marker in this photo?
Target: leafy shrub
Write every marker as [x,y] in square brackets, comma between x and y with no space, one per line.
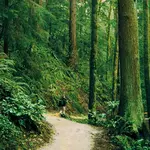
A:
[9,134]
[120,126]
[102,117]
[122,142]
[20,110]
[112,106]
[97,119]
[124,136]
[56,79]
[127,143]
[18,104]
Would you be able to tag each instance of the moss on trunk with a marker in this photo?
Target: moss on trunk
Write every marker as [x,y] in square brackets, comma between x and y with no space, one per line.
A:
[115,63]
[131,106]
[146,53]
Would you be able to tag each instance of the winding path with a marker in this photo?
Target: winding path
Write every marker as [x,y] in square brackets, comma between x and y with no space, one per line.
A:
[70,135]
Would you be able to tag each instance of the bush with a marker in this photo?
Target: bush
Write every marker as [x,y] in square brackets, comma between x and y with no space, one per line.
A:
[9,134]
[124,136]
[18,106]
[98,119]
[127,143]
[20,109]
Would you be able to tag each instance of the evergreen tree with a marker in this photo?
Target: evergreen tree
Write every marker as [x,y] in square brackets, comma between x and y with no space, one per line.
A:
[109,41]
[94,42]
[6,24]
[73,54]
[146,53]
[116,62]
[131,106]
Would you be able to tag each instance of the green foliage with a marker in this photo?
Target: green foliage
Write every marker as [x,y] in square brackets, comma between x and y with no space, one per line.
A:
[21,105]
[80,120]
[103,90]
[9,134]
[119,126]
[14,98]
[38,42]
[18,108]
[124,136]
[123,142]
[127,143]
[38,48]
[97,119]
[50,78]
[112,106]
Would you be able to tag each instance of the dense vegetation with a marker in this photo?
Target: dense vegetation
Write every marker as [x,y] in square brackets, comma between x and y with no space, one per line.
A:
[81,49]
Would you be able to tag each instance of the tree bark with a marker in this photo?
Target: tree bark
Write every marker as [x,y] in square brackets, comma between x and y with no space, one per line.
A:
[130,107]
[146,54]
[115,63]
[6,29]
[94,38]
[108,42]
[73,54]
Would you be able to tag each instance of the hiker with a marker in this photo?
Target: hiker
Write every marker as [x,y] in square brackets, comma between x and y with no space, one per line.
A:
[62,105]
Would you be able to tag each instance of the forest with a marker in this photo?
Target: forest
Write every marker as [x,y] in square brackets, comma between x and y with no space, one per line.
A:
[95,52]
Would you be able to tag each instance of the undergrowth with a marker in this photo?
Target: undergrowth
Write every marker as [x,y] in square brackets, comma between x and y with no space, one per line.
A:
[52,78]
[82,119]
[121,131]
[20,111]
[28,86]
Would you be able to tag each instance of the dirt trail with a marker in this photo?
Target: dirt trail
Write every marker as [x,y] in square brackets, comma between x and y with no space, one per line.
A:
[70,135]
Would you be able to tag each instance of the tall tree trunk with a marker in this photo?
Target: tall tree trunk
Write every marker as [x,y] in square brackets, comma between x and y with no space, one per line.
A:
[73,54]
[146,53]
[94,38]
[131,107]
[6,28]
[116,62]
[108,42]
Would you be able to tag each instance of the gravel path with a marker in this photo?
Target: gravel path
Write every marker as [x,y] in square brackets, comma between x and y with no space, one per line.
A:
[70,135]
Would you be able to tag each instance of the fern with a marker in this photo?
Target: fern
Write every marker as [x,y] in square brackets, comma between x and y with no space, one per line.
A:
[19,108]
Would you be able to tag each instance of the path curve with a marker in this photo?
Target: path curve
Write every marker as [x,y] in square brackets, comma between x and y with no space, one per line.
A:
[70,135]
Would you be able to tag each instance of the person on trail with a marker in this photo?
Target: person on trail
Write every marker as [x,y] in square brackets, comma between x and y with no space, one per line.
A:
[62,105]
